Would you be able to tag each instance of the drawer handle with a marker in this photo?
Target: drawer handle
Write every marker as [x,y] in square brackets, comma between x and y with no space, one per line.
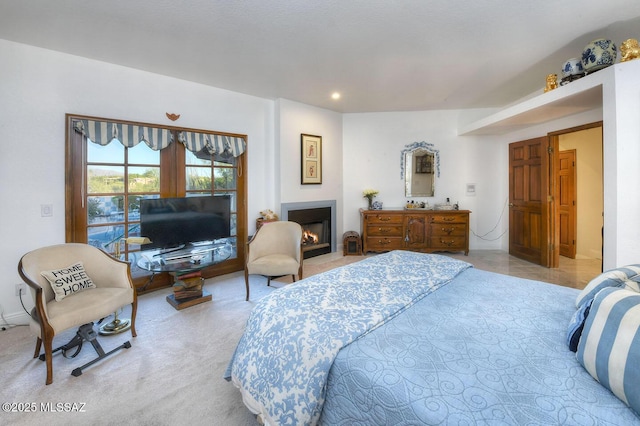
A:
[448,219]
[384,230]
[447,243]
[384,242]
[448,230]
[383,219]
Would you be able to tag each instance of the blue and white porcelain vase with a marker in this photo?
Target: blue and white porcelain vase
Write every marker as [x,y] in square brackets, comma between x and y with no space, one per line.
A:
[572,67]
[598,54]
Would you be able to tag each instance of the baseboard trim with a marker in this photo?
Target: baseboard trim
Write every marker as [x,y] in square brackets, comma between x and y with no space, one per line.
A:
[17,318]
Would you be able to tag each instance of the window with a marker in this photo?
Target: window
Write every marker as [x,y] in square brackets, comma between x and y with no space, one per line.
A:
[107,177]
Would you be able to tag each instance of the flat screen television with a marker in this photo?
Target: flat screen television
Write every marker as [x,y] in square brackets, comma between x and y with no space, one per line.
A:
[172,222]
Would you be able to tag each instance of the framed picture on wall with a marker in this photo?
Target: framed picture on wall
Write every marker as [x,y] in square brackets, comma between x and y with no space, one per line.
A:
[311,159]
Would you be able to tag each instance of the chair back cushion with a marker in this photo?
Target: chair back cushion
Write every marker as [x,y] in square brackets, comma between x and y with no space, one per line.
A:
[283,237]
[103,269]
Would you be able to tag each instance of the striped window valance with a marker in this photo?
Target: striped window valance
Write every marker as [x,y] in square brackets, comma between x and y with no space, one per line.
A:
[213,144]
[129,135]
[157,138]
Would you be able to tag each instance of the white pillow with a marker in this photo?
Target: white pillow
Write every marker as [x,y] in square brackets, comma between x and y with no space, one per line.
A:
[69,280]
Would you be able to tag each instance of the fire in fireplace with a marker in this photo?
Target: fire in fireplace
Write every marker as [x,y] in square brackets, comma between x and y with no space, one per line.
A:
[309,237]
[316,227]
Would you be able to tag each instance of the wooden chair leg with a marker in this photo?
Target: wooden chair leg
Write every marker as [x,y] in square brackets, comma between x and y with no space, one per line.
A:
[38,347]
[48,358]
[294,278]
[134,311]
[268,281]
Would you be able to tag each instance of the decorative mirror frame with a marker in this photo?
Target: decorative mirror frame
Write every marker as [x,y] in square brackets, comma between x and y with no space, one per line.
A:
[412,147]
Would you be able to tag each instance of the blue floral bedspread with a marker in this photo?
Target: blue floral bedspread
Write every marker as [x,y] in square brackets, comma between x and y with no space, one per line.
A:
[293,335]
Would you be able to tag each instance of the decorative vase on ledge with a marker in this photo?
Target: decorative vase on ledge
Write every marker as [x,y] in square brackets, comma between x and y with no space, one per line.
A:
[598,54]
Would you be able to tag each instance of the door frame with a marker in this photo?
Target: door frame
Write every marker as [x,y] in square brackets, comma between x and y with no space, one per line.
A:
[554,187]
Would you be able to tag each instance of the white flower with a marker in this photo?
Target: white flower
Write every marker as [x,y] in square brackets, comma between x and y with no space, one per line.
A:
[369,193]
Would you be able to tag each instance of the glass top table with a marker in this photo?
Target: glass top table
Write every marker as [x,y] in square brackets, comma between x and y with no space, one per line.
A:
[192,257]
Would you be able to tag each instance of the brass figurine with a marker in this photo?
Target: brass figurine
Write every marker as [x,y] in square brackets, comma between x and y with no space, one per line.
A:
[629,50]
[552,82]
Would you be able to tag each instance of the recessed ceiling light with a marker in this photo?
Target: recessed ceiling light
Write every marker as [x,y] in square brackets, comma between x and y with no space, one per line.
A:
[335,95]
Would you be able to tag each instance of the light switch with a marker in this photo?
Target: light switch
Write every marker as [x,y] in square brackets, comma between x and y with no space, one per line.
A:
[471,190]
[46,210]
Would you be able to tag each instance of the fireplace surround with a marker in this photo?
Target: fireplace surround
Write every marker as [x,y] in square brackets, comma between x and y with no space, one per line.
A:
[318,221]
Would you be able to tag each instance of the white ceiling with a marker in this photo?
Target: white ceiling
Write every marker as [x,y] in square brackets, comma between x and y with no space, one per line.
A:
[381,55]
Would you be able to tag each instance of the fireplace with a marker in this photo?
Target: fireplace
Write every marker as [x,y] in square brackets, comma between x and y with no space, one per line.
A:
[318,225]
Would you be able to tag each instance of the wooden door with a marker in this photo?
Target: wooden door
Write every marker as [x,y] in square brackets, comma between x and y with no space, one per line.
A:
[567,203]
[529,219]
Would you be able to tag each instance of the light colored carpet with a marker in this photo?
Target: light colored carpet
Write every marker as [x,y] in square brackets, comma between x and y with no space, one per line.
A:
[172,374]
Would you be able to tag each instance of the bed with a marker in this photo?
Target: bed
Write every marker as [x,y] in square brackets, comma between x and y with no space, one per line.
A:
[412,338]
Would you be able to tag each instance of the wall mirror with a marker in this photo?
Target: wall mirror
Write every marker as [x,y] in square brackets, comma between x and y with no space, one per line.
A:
[420,164]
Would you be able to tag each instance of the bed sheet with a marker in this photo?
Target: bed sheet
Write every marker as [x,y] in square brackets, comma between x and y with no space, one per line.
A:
[485,349]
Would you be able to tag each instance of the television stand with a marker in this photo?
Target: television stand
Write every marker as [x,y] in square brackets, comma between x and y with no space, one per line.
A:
[186,303]
[186,262]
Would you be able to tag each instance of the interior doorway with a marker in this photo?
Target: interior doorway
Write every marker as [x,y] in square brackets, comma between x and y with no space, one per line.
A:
[535,199]
[586,142]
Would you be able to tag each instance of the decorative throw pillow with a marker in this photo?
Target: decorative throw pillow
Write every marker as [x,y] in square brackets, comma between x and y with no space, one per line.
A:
[69,280]
[633,283]
[577,325]
[612,278]
[609,348]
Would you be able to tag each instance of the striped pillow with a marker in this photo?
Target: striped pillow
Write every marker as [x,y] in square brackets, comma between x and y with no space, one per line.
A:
[576,325]
[609,348]
[612,278]
[633,283]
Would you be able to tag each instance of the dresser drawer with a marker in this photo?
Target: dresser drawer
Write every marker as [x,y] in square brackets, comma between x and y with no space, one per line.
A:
[448,243]
[384,218]
[384,230]
[384,243]
[449,218]
[447,229]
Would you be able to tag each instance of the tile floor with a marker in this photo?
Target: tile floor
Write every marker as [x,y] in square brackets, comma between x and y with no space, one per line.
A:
[574,273]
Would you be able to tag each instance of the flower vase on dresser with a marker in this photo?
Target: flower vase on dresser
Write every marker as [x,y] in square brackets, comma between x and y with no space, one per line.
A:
[369,194]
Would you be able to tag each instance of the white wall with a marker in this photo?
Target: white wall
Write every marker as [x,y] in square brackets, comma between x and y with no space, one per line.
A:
[373,143]
[37,88]
[621,140]
[372,159]
[294,119]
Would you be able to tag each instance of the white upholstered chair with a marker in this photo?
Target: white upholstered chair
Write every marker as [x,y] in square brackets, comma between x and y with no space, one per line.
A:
[274,251]
[113,290]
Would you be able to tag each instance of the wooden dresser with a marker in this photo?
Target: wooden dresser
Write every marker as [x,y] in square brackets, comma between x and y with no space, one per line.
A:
[415,229]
